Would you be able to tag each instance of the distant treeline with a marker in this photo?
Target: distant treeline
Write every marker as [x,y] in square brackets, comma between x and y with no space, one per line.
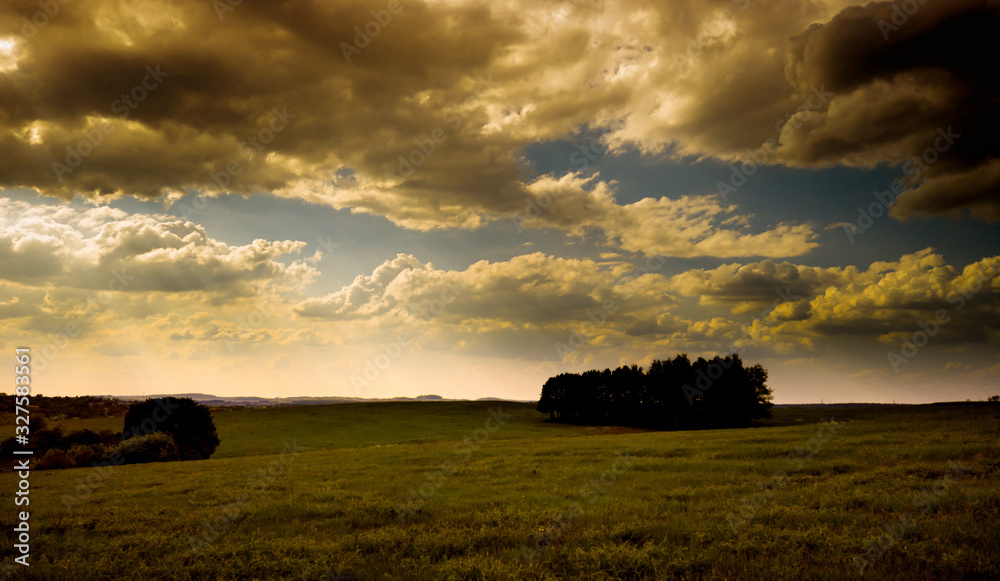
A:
[69,407]
[673,394]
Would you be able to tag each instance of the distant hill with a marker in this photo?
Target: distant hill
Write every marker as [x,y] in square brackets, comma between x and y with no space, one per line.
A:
[247,401]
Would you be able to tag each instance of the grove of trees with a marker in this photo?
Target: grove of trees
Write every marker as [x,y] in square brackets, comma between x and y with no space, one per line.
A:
[673,394]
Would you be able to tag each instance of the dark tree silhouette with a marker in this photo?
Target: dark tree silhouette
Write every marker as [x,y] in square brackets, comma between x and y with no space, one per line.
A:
[673,394]
[188,422]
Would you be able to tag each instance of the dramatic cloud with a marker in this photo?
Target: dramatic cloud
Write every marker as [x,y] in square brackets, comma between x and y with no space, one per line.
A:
[686,227]
[106,249]
[533,289]
[891,300]
[906,92]
[520,308]
[365,297]
[462,124]
[425,122]
[744,287]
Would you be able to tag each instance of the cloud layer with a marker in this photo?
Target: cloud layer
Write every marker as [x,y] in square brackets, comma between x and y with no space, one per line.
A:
[107,249]
[425,123]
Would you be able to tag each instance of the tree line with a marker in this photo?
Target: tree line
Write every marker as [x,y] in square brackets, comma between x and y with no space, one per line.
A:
[68,407]
[673,394]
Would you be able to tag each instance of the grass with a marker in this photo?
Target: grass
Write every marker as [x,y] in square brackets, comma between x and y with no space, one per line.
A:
[331,509]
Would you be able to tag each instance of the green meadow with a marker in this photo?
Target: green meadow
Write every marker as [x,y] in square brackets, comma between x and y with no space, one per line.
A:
[489,490]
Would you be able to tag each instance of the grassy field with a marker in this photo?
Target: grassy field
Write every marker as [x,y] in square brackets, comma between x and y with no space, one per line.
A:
[909,492]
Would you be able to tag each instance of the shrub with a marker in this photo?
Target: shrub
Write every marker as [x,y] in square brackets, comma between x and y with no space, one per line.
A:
[54,459]
[83,455]
[109,438]
[155,447]
[80,437]
[43,440]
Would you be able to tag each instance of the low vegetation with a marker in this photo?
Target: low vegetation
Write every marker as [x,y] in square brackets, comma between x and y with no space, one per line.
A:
[155,430]
[825,492]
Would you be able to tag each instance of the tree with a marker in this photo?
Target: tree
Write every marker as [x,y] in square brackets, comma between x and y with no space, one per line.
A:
[673,394]
[188,422]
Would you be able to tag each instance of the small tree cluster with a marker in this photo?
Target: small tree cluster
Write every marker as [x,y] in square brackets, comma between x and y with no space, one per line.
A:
[673,394]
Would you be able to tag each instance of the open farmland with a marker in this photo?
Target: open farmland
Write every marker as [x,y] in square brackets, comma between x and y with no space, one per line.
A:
[451,490]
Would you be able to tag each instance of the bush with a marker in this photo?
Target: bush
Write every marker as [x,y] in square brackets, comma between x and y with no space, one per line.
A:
[80,437]
[109,438]
[53,460]
[155,447]
[44,440]
[189,424]
[83,455]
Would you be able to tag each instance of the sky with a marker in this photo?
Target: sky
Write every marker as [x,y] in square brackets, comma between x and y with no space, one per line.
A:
[464,198]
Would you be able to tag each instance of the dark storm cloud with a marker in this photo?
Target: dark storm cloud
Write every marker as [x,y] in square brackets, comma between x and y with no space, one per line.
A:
[424,120]
[903,73]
